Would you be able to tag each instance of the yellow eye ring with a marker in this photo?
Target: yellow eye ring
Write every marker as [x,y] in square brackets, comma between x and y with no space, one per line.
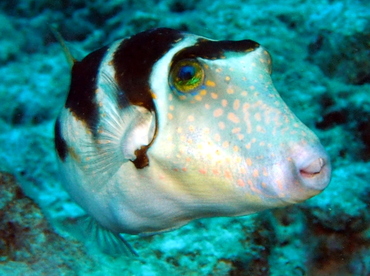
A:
[186,75]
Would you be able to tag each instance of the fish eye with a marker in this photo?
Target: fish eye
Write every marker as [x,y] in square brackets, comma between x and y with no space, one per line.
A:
[186,75]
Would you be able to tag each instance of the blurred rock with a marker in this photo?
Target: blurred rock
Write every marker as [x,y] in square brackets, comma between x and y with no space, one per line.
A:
[28,245]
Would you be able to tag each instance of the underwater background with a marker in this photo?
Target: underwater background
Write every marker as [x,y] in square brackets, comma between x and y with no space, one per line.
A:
[321,67]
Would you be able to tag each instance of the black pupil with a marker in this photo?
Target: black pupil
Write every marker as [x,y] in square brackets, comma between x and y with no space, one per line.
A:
[186,73]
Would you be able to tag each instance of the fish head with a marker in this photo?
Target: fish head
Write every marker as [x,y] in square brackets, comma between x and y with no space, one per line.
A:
[225,134]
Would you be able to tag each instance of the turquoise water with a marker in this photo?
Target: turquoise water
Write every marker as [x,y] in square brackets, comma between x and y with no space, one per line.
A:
[321,55]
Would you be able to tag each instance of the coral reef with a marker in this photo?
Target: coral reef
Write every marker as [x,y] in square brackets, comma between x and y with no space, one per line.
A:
[28,245]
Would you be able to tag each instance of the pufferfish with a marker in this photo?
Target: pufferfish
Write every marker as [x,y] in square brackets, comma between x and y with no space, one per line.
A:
[166,127]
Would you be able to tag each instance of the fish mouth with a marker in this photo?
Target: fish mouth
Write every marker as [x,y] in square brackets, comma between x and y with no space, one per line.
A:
[304,174]
[315,172]
[313,169]
[310,175]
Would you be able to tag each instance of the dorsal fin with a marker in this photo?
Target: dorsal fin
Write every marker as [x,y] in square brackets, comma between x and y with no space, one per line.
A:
[70,59]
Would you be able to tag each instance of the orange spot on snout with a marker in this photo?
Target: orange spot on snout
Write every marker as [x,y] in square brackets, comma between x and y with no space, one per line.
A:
[233,118]
[240,182]
[202,171]
[210,83]
[218,112]
[228,174]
